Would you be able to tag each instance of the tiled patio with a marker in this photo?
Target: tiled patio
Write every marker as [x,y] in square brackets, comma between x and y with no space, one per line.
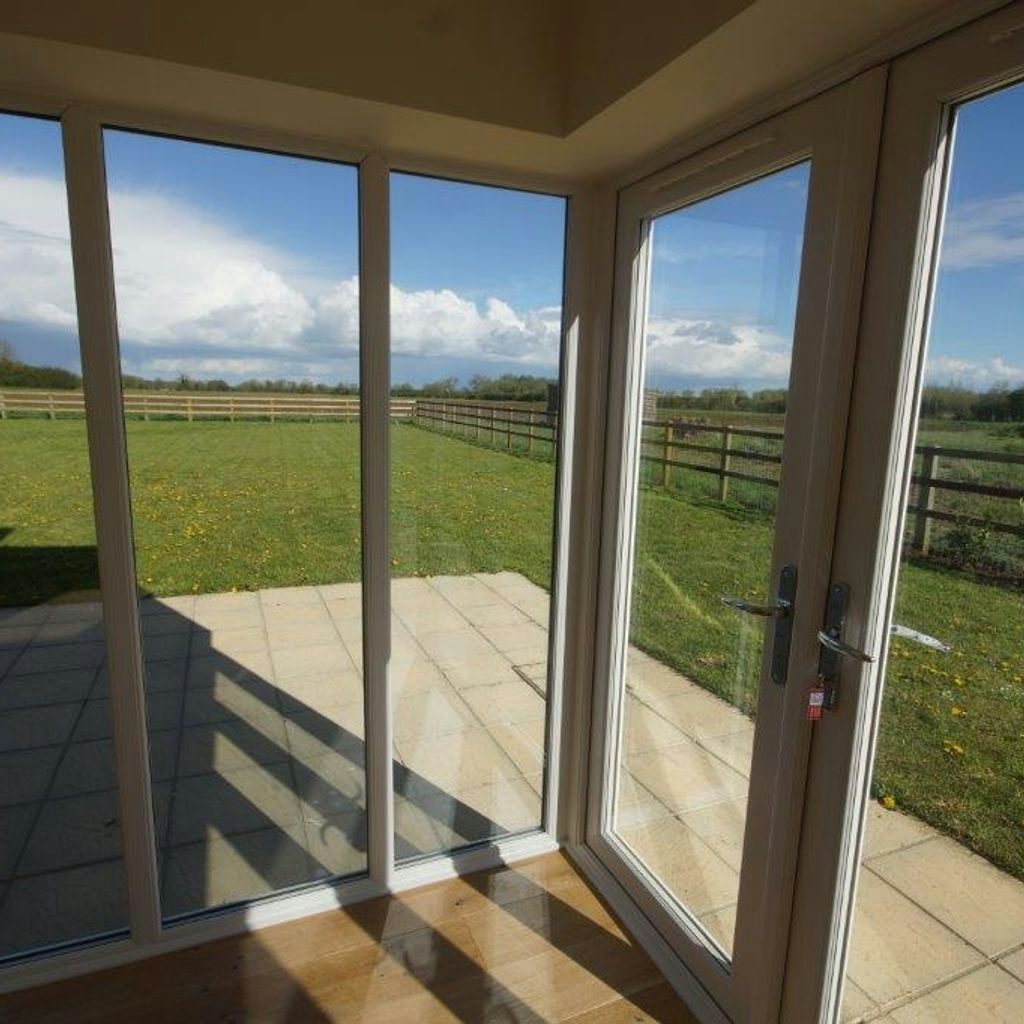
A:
[256,736]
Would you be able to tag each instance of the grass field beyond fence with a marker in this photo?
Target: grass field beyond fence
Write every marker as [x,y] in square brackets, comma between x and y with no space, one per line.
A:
[221,506]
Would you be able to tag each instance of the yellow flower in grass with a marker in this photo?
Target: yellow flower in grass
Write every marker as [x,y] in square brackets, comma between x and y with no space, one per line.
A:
[958,712]
[952,748]
[889,802]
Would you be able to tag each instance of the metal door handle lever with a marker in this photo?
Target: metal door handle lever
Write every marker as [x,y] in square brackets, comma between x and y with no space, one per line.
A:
[778,610]
[833,643]
[931,642]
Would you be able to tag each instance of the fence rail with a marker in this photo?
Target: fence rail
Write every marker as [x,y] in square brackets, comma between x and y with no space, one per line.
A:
[734,455]
[192,405]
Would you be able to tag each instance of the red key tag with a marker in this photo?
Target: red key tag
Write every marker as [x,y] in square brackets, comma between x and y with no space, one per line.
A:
[815,706]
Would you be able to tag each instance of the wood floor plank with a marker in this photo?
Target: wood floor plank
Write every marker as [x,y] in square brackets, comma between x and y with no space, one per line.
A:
[530,942]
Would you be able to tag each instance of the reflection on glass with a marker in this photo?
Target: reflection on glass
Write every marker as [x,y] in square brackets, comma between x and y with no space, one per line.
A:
[717,345]
[236,278]
[61,872]
[477,282]
[941,893]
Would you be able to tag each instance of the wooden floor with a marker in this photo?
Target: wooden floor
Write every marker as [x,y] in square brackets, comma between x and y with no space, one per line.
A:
[527,943]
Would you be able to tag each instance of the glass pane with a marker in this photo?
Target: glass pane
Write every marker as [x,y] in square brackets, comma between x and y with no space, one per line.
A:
[237,293]
[717,343]
[59,832]
[475,323]
[941,895]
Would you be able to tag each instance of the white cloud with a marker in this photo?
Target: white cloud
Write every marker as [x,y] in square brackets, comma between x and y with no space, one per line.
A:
[984,233]
[205,299]
[715,350]
[978,375]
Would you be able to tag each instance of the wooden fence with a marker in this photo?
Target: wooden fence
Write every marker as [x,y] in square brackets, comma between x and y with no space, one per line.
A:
[531,425]
[194,405]
[728,461]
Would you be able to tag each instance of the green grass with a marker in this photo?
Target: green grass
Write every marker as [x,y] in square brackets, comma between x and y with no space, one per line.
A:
[222,506]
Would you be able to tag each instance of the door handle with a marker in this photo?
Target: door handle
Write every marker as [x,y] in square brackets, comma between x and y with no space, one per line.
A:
[933,643]
[834,644]
[782,612]
[768,611]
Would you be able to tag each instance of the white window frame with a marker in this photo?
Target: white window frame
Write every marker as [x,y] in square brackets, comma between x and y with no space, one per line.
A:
[148,935]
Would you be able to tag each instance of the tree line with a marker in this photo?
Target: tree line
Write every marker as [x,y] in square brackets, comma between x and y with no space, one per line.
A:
[14,373]
[951,402]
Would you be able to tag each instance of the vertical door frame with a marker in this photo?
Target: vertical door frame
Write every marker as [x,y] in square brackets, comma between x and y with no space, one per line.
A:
[906,233]
[838,214]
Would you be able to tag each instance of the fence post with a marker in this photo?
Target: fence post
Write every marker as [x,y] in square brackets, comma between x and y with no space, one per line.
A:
[3,407]
[508,427]
[145,408]
[231,408]
[273,408]
[492,426]
[529,433]
[477,417]
[926,500]
[53,415]
[666,455]
[188,408]
[725,463]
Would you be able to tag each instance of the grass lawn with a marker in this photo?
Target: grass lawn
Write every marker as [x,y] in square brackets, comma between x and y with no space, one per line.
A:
[221,506]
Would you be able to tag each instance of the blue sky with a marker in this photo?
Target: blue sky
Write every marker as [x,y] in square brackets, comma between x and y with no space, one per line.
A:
[235,264]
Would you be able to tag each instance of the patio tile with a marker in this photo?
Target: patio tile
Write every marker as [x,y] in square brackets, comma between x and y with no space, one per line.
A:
[337,846]
[1014,963]
[166,647]
[183,605]
[504,703]
[460,762]
[58,658]
[897,948]
[282,615]
[689,868]
[721,827]
[162,675]
[30,616]
[22,728]
[332,786]
[686,777]
[536,673]
[228,641]
[635,804]
[645,729]
[320,693]
[165,622]
[516,637]
[965,892]
[416,676]
[230,746]
[69,631]
[701,714]
[341,591]
[25,774]
[721,925]
[462,591]
[224,617]
[249,698]
[13,638]
[273,597]
[451,647]
[434,713]
[311,660]
[230,802]
[345,609]
[414,830]
[888,831]
[526,751]
[227,601]
[300,636]
[736,749]
[71,904]
[66,687]
[312,736]
[74,830]
[7,659]
[244,866]
[483,670]
[431,617]
[163,711]
[494,615]
[856,1003]
[482,812]
[537,608]
[208,669]
[989,995]
[15,823]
